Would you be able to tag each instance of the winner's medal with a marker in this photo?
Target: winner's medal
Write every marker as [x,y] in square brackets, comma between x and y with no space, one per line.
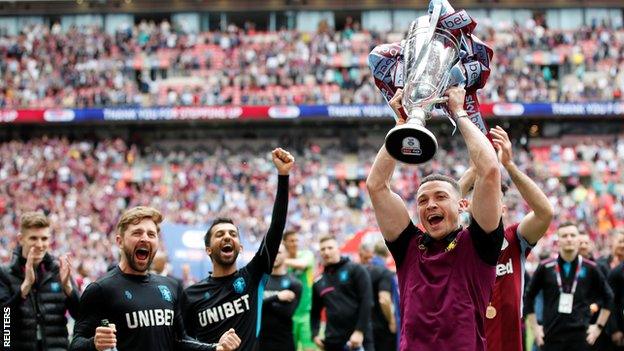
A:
[490,312]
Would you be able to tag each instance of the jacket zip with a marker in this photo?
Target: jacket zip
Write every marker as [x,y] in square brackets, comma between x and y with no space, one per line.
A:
[35,300]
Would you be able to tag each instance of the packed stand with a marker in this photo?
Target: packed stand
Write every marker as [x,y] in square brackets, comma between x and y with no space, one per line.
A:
[159,65]
[534,63]
[84,186]
[142,66]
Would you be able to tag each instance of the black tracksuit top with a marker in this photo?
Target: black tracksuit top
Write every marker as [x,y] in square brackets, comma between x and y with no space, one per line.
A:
[345,291]
[144,308]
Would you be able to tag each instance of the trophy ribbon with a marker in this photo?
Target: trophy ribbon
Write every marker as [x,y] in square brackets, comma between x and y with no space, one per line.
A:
[475,59]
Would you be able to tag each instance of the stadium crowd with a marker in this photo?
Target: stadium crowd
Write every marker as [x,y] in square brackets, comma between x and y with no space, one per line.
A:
[157,64]
[84,186]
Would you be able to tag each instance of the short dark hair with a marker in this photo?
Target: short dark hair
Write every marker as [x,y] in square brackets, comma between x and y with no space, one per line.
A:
[381,249]
[326,237]
[441,178]
[567,224]
[33,220]
[288,233]
[135,215]
[217,221]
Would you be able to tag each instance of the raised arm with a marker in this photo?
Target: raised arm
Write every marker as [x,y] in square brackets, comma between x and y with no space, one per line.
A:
[486,202]
[72,303]
[467,181]
[269,247]
[390,210]
[535,223]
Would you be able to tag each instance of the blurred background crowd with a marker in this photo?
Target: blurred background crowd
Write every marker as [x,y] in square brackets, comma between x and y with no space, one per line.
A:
[85,185]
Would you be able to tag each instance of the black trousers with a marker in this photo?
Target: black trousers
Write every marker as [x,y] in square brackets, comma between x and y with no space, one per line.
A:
[385,341]
[368,346]
[603,343]
[567,345]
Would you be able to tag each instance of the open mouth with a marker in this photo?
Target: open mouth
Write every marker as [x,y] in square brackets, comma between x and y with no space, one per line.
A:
[435,219]
[227,249]
[142,253]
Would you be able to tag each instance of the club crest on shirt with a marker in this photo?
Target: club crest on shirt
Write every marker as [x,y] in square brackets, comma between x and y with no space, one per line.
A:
[239,285]
[206,295]
[165,293]
[343,276]
[451,246]
[285,283]
[128,295]
[505,244]
[55,287]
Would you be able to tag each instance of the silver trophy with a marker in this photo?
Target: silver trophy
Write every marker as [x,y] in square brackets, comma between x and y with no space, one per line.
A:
[430,52]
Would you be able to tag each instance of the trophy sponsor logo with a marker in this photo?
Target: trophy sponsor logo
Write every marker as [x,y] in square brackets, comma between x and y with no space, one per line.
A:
[411,146]
[457,20]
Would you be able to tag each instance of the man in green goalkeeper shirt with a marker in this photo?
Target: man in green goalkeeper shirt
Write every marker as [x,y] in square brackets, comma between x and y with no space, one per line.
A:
[301,264]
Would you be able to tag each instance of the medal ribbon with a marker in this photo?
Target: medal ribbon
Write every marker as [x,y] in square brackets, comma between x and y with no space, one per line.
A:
[576,275]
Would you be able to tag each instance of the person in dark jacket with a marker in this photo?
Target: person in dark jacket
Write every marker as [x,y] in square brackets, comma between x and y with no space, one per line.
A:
[616,257]
[616,281]
[36,291]
[345,291]
[281,298]
[382,280]
[613,265]
[570,283]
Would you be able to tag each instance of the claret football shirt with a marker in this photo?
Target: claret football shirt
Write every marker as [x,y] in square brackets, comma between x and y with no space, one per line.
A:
[445,287]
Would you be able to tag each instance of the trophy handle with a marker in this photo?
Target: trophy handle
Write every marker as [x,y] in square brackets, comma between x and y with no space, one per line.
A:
[411,142]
